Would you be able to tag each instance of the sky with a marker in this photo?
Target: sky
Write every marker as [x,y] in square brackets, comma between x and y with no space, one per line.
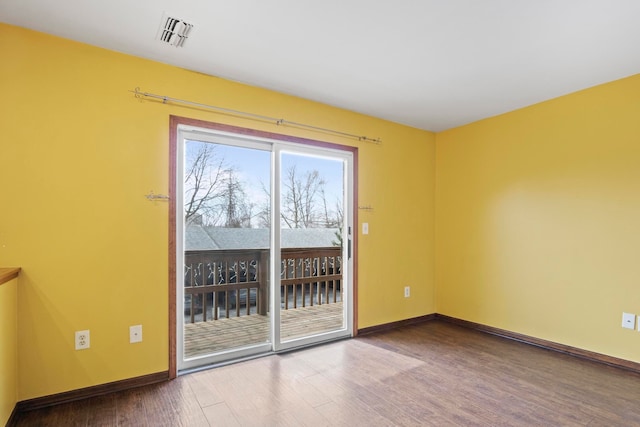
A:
[252,167]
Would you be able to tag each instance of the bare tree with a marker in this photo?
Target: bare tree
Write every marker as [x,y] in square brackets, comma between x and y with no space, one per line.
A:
[237,208]
[331,218]
[203,183]
[302,207]
[337,223]
[264,214]
[305,203]
[213,194]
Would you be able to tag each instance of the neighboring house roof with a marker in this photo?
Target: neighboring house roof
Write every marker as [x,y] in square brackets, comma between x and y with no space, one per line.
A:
[201,238]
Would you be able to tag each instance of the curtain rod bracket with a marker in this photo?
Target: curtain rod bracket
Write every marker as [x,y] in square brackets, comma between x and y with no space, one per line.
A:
[151,196]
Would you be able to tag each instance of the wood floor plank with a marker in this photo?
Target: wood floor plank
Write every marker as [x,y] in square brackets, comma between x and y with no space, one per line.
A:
[103,411]
[219,414]
[330,388]
[130,409]
[74,414]
[203,386]
[187,408]
[307,416]
[173,404]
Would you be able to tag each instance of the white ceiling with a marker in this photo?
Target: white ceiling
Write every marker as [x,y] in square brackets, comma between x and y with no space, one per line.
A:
[431,64]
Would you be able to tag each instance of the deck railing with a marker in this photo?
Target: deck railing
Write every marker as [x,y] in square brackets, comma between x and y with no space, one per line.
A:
[232,283]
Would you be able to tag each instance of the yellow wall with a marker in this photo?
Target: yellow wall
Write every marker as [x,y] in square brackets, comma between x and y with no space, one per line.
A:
[8,348]
[538,219]
[79,154]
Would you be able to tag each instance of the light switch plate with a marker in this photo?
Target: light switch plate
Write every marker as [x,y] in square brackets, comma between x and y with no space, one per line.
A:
[135,334]
[365,228]
[628,320]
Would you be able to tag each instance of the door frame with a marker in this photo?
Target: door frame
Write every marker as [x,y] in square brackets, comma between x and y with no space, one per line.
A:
[174,122]
[346,159]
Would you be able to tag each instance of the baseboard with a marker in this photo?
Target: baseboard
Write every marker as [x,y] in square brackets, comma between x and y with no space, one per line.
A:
[549,345]
[397,324]
[84,393]
[12,418]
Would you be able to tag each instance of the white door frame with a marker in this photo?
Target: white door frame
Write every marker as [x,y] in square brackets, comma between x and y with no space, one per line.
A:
[277,147]
[347,259]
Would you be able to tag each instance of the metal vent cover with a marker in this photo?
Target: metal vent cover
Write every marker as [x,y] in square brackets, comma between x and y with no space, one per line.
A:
[174,31]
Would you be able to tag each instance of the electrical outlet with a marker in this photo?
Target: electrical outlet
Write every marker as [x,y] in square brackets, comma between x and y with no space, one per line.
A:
[407,291]
[628,320]
[135,334]
[83,340]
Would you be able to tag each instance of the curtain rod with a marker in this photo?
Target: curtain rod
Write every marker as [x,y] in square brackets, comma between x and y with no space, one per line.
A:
[165,99]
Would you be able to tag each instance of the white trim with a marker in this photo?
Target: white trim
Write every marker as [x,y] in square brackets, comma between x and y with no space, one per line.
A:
[276,252]
[179,238]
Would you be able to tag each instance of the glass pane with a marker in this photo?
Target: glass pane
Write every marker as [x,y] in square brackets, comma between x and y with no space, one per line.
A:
[226,242]
[311,210]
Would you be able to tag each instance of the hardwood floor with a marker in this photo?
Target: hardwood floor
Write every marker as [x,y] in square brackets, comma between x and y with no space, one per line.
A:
[431,374]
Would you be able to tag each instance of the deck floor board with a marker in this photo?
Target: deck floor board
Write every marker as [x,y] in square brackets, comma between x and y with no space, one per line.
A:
[216,335]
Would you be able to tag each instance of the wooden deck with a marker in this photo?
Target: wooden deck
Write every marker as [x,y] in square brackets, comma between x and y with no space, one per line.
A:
[209,337]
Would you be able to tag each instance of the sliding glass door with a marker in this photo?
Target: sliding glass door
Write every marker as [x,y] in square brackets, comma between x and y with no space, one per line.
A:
[313,245]
[226,249]
[263,236]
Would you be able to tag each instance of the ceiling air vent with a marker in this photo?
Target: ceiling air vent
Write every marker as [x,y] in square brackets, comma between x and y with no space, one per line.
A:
[174,31]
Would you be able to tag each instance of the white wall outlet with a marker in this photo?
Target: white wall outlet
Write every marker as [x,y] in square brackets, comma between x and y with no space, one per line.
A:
[628,320]
[365,228]
[83,340]
[407,291]
[135,334]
